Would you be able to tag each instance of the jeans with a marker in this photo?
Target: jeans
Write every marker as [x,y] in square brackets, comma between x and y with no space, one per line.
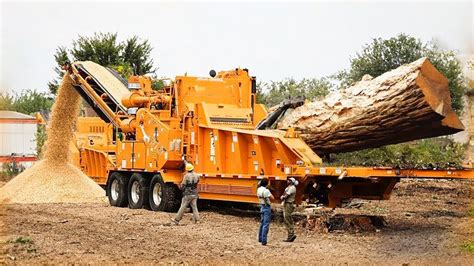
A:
[185,202]
[266,216]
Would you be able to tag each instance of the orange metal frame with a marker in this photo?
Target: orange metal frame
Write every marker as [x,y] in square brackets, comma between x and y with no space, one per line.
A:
[211,126]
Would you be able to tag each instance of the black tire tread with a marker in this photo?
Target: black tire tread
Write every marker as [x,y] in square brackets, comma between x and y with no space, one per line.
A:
[145,187]
[122,200]
[171,195]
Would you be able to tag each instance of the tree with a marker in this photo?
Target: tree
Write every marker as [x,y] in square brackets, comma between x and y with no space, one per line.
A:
[27,102]
[6,102]
[102,48]
[274,92]
[382,55]
[129,57]
[61,57]
[137,53]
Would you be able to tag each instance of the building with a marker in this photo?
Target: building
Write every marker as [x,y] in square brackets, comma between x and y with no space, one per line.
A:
[17,138]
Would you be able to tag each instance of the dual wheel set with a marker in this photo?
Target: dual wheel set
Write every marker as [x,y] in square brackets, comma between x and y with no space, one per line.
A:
[138,190]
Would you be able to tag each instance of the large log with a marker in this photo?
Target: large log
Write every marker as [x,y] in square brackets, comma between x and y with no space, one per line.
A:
[408,103]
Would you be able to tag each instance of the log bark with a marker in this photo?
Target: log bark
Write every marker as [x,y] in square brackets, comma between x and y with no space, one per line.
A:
[408,103]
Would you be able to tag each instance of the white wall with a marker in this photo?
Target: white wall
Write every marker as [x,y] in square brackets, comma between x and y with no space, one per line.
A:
[17,138]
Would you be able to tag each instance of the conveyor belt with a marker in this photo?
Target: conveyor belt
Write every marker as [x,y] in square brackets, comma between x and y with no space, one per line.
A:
[104,83]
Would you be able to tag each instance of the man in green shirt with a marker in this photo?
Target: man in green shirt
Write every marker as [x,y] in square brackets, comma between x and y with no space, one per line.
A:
[190,194]
[288,199]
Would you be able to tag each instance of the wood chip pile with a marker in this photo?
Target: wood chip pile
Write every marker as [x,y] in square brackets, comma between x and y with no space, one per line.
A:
[54,179]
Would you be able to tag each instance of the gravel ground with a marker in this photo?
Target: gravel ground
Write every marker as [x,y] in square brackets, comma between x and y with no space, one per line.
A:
[427,223]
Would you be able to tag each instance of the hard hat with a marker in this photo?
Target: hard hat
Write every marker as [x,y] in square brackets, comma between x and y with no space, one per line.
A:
[293,180]
[189,167]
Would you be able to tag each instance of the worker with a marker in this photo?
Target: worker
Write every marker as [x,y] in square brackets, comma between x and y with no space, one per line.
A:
[264,198]
[190,194]
[288,200]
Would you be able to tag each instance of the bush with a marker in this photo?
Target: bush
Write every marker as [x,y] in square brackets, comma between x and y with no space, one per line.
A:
[40,137]
[275,92]
[427,153]
[10,170]
[382,55]
[468,246]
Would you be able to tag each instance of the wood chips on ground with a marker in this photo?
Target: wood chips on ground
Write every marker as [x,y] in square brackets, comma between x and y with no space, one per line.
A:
[54,179]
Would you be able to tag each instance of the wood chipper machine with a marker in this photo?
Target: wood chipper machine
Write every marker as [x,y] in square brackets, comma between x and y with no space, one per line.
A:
[140,139]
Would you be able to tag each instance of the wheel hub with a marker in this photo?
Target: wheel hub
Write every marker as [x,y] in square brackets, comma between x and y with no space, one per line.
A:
[135,192]
[114,191]
[157,194]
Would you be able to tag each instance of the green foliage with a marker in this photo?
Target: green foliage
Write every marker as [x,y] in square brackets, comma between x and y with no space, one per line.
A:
[129,57]
[102,48]
[274,92]
[470,212]
[468,246]
[27,102]
[157,84]
[40,138]
[6,102]
[11,169]
[382,55]
[137,54]
[25,242]
[22,240]
[427,153]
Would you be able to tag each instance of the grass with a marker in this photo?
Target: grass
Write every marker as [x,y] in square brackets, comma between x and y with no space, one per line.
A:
[21,240]
[468,246]
[24,243]
[470,212]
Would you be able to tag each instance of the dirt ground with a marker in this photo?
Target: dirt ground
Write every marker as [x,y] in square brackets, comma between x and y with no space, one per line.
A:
[427,222]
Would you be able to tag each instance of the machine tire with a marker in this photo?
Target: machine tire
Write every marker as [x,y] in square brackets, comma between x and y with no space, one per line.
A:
[117,189]
[163,196]
[138,187]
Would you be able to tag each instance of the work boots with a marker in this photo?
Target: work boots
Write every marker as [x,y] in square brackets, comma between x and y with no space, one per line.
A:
[290,238]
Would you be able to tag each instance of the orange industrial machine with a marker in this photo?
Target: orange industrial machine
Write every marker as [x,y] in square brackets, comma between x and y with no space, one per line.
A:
[137,146]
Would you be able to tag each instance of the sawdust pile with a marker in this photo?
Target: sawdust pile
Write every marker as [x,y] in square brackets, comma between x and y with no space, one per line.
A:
[54,179]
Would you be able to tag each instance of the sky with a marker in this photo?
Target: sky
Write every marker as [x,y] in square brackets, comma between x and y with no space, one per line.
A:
[273,40]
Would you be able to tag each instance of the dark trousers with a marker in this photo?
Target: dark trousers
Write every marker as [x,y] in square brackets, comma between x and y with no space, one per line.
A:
[288,210]
[188,200]
[266,216]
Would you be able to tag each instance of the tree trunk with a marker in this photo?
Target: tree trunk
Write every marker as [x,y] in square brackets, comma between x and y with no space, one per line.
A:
[408,103]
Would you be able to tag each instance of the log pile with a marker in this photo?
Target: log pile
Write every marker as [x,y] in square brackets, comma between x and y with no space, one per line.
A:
[408,103]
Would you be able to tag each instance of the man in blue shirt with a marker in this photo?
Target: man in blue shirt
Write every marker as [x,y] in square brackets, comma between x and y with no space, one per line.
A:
[264,198]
